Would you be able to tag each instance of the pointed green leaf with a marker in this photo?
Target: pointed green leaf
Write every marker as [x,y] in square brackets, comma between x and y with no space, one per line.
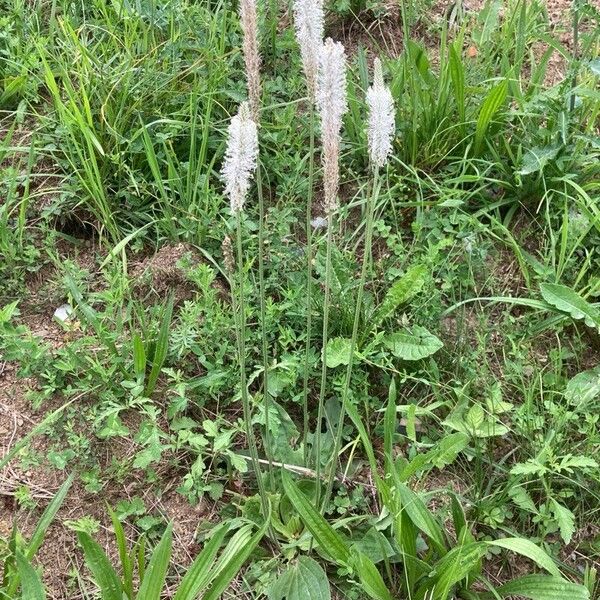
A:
[105,576]
[47,518]
[492,103]
[530,550]
[329,540]
[565,519]
[229,567]
[32,587]
[198,574]
[370,578]
[402,290]
[454,567]
[420,515]
[568,301]
[543,587]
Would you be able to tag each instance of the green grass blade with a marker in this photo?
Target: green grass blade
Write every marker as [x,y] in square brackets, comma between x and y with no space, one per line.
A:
[389,426]
[455,567]
[370,578]
[40,531]
[160,351]
[125,558]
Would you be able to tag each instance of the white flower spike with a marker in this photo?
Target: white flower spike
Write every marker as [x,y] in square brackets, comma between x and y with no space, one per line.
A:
[382,123]
[249,20]
[332,104]
[240,157]
[308,21]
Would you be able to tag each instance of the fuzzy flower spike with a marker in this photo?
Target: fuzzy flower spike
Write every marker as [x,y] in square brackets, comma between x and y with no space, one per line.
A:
[249,21]
[240,157]
[332,104]
[308,20]
[382,124]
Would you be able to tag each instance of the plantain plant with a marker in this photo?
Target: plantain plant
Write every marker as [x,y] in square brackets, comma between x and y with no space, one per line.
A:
[143,576]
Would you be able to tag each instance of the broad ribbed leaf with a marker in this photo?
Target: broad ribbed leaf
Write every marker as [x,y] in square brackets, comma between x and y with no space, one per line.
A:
[569,301]
[544,587]
[370,578]
[454,567]
[413,344]
[105,576]
[232,560]
[457,75]
[493,101]
[304,580]
[530,550]
[389,422]
[32,587]
[156,571]
[198,574]
[537,158]
[329,540]
[126,562]
[420,515]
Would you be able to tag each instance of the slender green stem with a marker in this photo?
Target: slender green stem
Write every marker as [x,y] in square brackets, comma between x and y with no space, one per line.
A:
[309,260]
[263,319]
[323,385]
[241,339]
[357,312]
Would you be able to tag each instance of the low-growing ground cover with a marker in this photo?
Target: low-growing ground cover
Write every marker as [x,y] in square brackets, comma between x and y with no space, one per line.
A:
[290,318]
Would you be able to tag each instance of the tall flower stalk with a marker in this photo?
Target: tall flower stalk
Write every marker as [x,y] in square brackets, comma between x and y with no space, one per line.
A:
[308,21]
[238,168]
[380,133]
[251,51]
[332,104]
